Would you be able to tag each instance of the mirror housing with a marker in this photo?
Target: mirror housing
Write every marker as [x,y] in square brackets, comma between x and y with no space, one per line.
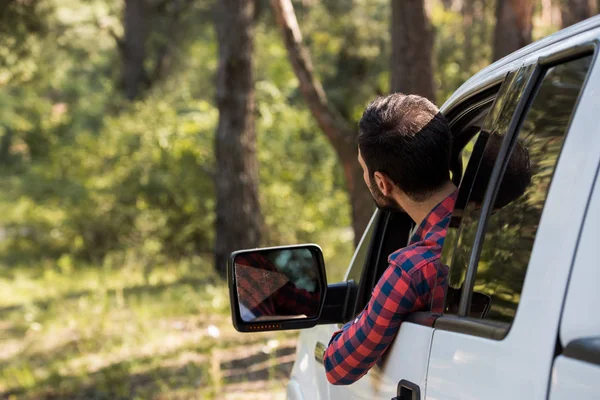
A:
[276,288]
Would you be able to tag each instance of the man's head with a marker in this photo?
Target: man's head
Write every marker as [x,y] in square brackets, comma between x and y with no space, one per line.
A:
[404,149]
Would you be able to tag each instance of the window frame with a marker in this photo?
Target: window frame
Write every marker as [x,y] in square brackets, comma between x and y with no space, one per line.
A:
[460,322]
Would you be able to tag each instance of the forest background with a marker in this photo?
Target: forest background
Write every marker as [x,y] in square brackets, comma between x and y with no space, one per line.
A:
[141,141]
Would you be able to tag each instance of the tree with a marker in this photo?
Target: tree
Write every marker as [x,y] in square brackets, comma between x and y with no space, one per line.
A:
[133,47]
[513,26]
[412,47]
[574,11]
[238,218]
[151,30]
[339,132]
[468,13]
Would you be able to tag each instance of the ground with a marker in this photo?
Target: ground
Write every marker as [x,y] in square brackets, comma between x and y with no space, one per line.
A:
[128,333]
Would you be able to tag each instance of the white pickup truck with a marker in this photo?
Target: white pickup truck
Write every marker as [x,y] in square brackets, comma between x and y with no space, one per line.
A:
[519,320]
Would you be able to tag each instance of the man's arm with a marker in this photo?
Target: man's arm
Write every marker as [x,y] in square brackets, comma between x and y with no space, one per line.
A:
[357,347]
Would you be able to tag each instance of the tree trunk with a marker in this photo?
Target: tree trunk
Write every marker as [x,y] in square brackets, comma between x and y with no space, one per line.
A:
[133,47]
[468,12]
[412,44]
[574,11]
[4,5]
[513,26]
[340,133]
[5,145]
[238,218]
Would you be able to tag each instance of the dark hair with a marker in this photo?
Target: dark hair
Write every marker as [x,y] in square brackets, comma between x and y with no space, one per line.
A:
[406,138]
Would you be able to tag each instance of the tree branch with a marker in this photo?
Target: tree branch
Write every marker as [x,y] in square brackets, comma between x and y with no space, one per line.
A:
[111,31]
[339,132]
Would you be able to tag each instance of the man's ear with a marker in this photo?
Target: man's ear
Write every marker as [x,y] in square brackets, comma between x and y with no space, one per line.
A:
[384,183]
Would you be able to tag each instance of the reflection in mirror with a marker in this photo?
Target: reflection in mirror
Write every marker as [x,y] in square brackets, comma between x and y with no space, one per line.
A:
[277,284]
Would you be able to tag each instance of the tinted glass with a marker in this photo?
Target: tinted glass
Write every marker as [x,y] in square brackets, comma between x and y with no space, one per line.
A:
[461,232]
[452,234]
[511,229]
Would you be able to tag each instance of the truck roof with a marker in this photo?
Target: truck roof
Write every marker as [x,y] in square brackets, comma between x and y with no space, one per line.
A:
[583,32]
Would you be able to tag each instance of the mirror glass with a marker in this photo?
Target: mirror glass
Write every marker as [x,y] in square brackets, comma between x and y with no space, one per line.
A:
[277,284]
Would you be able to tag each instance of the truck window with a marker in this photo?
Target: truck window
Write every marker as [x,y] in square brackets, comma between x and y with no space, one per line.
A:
[512,228]
[463,223]
[522,191]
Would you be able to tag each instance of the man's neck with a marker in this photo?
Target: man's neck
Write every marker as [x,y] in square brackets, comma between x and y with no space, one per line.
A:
[419,210]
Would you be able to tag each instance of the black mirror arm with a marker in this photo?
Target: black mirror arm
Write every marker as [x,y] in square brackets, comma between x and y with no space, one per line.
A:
[337,303]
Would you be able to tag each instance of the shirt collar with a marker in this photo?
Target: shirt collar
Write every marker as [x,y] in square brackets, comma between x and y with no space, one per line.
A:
[438,218]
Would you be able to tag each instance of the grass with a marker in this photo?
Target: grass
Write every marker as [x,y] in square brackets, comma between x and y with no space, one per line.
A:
[125,333]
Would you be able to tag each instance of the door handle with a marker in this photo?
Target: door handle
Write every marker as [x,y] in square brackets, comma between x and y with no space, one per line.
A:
[407,391]
[319,352]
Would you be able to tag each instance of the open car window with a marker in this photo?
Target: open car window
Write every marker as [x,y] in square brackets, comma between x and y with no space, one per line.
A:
[391,231]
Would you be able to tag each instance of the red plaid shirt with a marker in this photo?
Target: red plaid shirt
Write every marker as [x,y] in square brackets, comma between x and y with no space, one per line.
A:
[415,280]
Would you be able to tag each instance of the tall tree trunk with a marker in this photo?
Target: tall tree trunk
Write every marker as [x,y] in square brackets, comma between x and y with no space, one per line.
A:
[514,22]
[4,5]
[340,133]
[574,11]
[133,47]
[5,145]
[412,44]
[468,13]
[238,218]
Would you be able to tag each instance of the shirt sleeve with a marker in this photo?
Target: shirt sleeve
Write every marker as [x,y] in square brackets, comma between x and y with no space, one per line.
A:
[357,347]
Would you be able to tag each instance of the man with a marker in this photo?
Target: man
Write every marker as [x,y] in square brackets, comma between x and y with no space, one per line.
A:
[404,145]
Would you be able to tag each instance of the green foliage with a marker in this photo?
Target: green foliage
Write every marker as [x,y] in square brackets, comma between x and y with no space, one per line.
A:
[103,333]
[462,43]
[106,206]
[88,176]
[301,183]
[350,46]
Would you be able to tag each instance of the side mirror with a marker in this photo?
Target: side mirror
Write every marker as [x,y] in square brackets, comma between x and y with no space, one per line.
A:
[276,288]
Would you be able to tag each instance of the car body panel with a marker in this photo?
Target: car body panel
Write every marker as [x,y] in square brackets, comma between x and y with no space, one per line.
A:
[307,372]
[293,390]
[405,359]
[574,379]
[584,296]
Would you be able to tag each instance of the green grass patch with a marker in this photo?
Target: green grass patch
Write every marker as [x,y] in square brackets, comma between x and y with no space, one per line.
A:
[126,333]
